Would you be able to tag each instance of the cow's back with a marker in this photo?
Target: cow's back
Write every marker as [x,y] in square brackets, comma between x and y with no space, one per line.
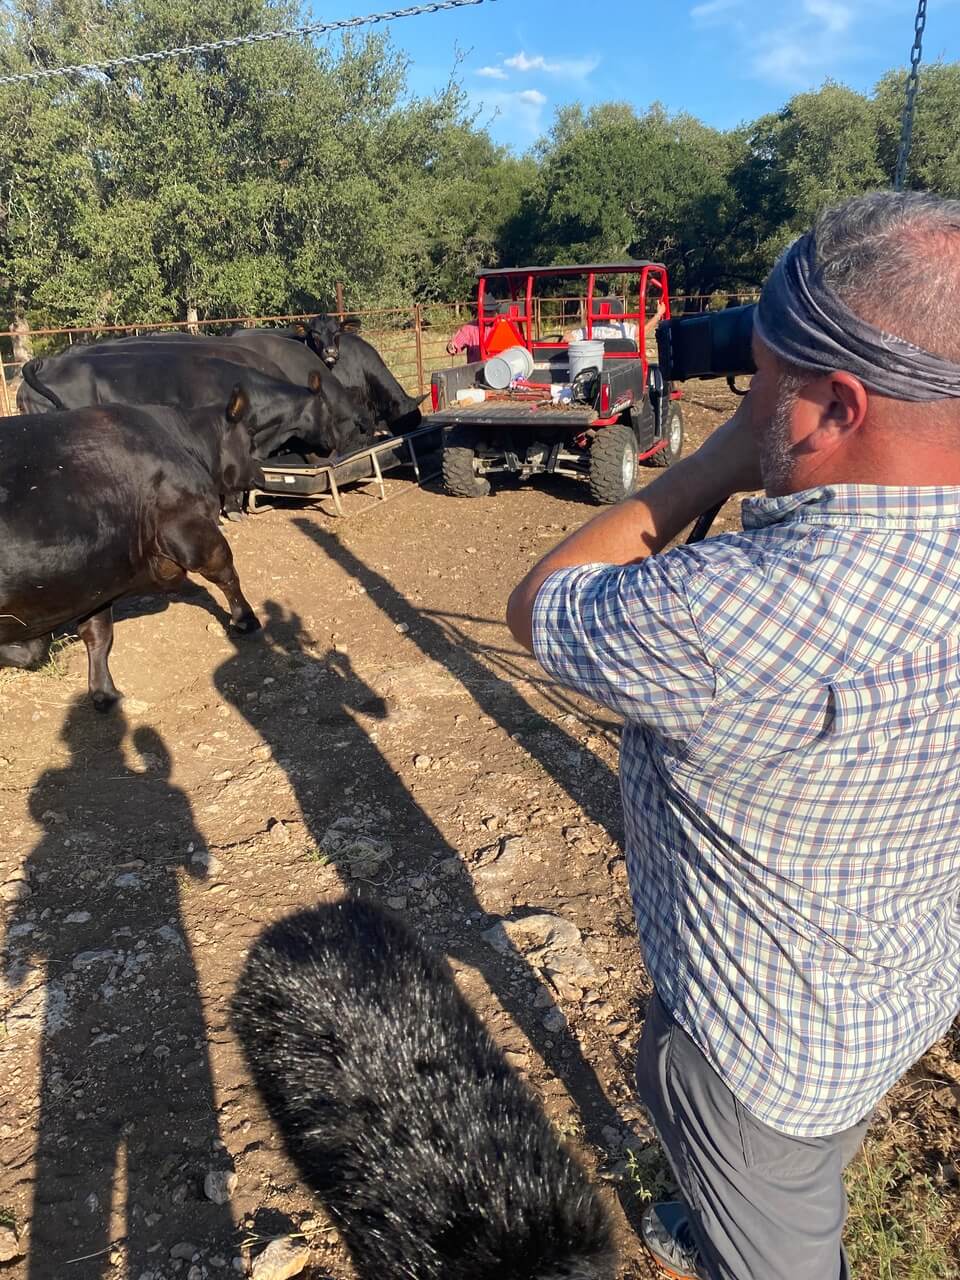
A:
[173,374]
[296,360]
[362,370]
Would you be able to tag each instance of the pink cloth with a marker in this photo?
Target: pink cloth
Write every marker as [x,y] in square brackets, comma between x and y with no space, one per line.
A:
[467,338]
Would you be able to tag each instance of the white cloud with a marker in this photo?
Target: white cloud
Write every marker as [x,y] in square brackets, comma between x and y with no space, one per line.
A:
[519,115]
[492,73]
[792,44]
[797,54]
[836,17]
[572,68]
[713,9]
[520,62]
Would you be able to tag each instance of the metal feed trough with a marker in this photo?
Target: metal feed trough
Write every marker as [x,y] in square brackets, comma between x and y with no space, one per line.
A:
[294,475]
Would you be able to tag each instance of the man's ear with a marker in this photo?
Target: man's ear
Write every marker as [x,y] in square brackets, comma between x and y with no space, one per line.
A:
[830,408]
[850,400]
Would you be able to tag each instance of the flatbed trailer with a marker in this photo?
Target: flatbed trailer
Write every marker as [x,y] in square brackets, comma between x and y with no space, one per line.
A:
[294,475]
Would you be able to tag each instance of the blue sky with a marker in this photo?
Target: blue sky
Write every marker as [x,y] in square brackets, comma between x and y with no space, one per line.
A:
[725,61]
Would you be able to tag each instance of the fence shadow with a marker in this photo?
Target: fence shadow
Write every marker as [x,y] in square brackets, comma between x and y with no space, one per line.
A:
[127,1115]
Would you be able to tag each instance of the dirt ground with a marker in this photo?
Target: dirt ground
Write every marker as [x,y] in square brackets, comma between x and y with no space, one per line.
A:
[383,735]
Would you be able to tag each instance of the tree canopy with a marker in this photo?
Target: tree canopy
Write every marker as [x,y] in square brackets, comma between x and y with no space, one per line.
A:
[251,180]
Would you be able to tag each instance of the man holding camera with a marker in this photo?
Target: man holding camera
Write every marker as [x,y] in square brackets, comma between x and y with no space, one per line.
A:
[791,754]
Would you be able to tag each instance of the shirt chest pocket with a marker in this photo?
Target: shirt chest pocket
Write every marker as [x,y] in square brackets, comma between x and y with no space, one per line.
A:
[904,709]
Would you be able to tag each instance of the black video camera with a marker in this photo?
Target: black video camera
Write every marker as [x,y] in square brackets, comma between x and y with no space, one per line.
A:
[716,344]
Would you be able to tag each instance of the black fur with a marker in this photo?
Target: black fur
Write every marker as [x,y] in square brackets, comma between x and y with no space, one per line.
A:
[402,1114]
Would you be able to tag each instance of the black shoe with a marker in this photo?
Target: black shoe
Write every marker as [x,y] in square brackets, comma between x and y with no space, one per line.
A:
[665,1229]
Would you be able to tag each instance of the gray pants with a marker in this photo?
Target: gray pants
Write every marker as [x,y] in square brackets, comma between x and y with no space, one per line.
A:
[764,1206]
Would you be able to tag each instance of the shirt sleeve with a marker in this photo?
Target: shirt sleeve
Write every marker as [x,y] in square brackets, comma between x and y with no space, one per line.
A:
[626,637]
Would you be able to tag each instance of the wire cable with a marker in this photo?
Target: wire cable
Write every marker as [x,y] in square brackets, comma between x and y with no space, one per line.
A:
[236,42]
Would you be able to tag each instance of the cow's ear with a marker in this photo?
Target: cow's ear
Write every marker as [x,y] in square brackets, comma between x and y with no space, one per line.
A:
[315,382]
[299,328]
[238,405]
[351,324]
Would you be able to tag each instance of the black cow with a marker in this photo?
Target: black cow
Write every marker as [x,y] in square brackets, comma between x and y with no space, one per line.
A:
[322,335]
[361,370]
[109,501]
[319,333]
[357,367]
[172,374]
[401,1113]
[294,358]
[199,346]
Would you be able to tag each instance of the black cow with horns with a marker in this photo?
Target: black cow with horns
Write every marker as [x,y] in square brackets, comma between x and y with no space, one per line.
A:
[402,1114]
[109,501]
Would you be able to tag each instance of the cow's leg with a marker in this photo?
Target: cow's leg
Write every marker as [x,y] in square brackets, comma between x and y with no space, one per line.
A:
[198,546]
[96,632]
[25,654]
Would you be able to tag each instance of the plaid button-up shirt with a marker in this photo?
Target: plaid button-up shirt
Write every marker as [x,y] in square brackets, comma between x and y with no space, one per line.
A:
[790,772]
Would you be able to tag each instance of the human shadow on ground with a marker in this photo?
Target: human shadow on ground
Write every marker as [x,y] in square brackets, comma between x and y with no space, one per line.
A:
[359,813]
[585,779]
[127,1115]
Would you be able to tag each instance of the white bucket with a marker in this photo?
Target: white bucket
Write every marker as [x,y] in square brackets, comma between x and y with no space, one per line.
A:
[587,354]
[515,362]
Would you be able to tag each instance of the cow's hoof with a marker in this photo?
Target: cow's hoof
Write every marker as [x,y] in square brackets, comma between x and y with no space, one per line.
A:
[104,702]
[246,625]
[234,515]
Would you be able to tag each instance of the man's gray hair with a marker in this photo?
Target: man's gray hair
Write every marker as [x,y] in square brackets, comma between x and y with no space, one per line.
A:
[894,259]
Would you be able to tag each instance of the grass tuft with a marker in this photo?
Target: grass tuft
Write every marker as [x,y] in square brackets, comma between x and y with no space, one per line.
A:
[898,1221]
[651,1175]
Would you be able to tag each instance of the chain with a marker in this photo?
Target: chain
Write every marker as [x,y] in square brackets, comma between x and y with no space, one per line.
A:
[910,106]
[235,42]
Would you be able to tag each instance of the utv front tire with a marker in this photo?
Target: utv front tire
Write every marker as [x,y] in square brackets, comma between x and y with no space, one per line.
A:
[613,464]
[461,476]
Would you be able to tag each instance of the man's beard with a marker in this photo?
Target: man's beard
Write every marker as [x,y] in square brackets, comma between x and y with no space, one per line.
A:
[776,448]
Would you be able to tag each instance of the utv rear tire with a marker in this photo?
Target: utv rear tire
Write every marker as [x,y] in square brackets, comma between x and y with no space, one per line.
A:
[613,464]
[673,435]
[459,467]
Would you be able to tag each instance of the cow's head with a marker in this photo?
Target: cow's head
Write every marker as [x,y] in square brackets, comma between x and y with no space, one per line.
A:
[322,336]
[334,428]
[239,469]
[313,419]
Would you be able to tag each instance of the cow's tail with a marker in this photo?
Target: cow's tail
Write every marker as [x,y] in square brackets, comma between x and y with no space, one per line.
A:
[402,1114]
[31,376]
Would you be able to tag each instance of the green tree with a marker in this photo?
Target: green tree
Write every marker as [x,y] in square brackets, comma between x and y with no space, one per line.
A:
[935,154]
[241,181]
[613,184]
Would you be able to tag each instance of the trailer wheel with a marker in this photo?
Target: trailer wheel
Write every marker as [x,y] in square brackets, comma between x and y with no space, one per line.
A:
[673,436]
[613,464]
[459,465]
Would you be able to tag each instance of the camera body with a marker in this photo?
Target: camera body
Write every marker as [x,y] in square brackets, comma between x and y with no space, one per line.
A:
[716,344]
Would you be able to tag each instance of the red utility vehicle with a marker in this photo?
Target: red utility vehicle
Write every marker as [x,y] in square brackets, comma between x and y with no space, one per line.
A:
[599,425]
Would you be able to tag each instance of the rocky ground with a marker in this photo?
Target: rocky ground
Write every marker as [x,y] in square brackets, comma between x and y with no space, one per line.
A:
[384,735]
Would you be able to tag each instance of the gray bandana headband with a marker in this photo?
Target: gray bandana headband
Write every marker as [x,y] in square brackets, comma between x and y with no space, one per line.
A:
[805,323]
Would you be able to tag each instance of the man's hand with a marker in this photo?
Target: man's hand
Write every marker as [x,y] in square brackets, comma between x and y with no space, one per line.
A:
[644,524]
